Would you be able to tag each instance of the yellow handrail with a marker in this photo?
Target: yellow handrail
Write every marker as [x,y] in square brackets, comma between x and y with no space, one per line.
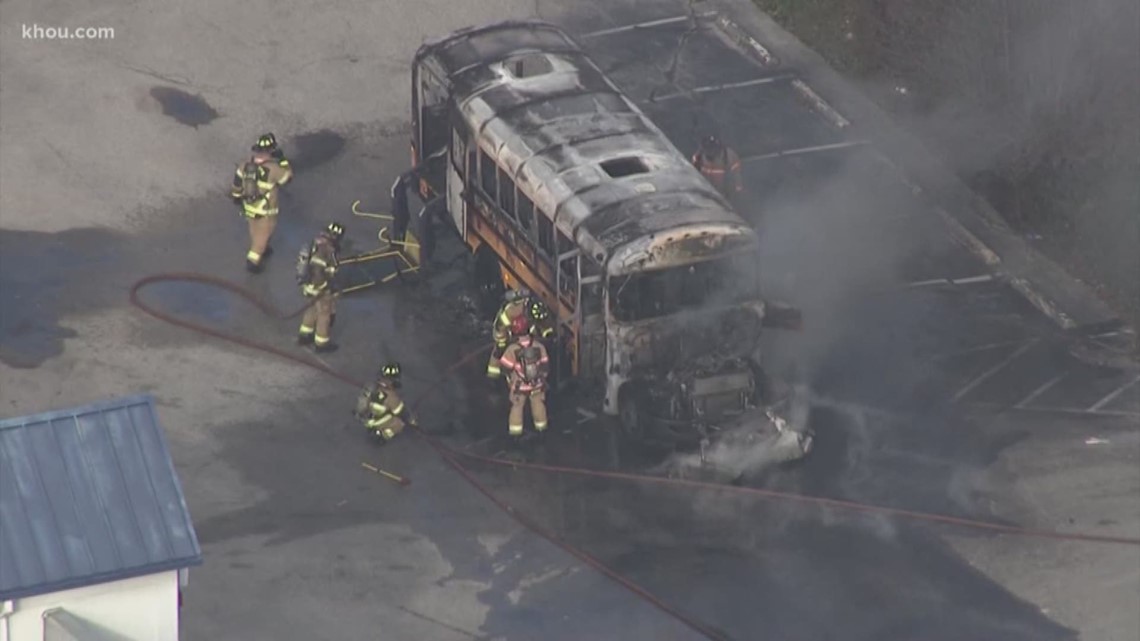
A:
[407,252]
[357,212]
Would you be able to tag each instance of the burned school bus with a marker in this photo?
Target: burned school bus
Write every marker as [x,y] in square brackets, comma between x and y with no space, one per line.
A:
[559,183]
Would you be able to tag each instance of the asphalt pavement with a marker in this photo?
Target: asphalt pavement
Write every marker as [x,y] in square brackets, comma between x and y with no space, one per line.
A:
[936,386]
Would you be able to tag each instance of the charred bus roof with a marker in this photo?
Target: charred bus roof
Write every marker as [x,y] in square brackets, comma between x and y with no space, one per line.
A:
[575,144]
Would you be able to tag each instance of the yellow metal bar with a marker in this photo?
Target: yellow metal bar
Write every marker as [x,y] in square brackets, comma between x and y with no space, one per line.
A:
[356,288]
[372,468]
[370,256]
[357,212]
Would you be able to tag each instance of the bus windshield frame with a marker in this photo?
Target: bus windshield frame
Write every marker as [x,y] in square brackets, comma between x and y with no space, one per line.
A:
[721,281]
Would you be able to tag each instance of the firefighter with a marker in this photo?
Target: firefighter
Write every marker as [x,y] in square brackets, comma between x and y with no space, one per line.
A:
[380,407]
[501,327]
[527,363]
[714,160]
[538,315]
[256,188]
[316,267]
[532,317]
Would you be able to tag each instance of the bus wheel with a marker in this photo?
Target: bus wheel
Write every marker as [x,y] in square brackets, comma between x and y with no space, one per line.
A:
[487,280]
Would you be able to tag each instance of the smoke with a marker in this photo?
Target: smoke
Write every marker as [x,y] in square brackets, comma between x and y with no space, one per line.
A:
[832,249]
[1035,102]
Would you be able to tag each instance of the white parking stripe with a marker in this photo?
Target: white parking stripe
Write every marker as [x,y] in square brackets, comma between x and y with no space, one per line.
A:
[1039,391]
[993,370]
[1111,397]
[979,348]
[821,105]
[723,87]
[646,25]
[1055,410]
[806,150]
[984,278]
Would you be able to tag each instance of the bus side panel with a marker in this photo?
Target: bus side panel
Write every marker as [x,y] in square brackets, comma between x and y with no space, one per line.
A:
[516,271]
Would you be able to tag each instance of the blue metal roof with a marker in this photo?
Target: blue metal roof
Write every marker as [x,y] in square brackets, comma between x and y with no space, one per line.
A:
[89,495]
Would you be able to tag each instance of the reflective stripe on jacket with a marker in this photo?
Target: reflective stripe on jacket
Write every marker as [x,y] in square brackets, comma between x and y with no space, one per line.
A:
[323,263]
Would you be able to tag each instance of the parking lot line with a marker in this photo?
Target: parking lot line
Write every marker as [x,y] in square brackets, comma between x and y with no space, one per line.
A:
[980,348]
[984,278]
[723,87]
[993,370]
[646,25]
[806,150]
[1056,410]
[1095,407]
[1039,391]
[821,105]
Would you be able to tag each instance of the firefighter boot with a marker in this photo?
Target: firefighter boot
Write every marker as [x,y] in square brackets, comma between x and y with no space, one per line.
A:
[252,267]
[326,347]
[308,330]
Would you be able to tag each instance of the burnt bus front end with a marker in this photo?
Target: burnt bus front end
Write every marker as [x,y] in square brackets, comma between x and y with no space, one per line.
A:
[684,317]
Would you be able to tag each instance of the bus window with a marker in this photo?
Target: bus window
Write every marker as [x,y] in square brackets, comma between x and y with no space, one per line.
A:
[568,275]
[564,244]
[526,213]
[568,269]
[487,176]
[545,235]
[506,193]
[526,209]
[644,295]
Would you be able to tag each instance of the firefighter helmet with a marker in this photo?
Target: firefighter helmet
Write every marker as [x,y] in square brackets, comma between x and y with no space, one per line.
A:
[511,295]
[335,231]
[711,144]
[391,370]
[538,310]
[266,143]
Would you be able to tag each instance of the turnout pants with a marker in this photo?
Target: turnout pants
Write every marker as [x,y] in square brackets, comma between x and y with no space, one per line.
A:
[519,400]
[494,369]
[318,317]
[388,426]
[260,231]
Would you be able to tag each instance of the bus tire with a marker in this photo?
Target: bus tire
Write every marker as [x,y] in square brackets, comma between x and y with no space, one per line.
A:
[487,280]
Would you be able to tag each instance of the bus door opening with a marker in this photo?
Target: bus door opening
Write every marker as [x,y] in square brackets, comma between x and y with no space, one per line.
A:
[433,129]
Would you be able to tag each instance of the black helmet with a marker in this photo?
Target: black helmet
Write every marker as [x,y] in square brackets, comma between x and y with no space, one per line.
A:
[538,310]
[391,370]
[711,144]
[266,143]
[335,231]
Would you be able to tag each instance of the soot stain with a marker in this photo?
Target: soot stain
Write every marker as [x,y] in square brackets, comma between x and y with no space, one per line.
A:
[41,278]
[189,109]
[316,148]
